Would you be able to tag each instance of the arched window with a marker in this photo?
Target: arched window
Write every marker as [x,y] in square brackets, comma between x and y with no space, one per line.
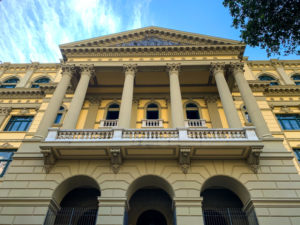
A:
[10,83]
[296,79]
[192,111]
[59,115]
[113,112]
[268,78]
[246,114]
[43,80]
[152,112]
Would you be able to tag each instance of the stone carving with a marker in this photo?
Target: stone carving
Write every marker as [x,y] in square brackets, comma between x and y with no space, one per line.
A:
[211,99]
[7,145]
[49,159]
[150,41]
[237,67]
[254,158]
[184,159]
[173,67]
[116,159]
[24,111]
[68,69]
[89,69]
[130,68]
[4,111]
[217,67]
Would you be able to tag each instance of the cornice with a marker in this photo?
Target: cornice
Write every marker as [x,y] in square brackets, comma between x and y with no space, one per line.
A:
[16,93]
[274,62]
[139,51]
[283,90]
[49,88]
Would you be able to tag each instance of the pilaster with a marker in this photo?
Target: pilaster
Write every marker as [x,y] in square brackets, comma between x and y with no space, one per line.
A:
[30,70]
[4,112]
[280,70]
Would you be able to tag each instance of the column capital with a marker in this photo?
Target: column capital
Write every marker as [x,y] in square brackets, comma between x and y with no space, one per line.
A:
[173,67]
[87,69]
[217,67]
[68,69]
[130,68]
[211,98]
[237,67]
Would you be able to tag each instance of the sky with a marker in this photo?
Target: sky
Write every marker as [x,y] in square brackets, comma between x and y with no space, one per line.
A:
[31,30]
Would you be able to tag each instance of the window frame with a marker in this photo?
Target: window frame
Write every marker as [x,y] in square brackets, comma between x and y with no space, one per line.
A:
[297,153]
[246,118]
[272,81]
[108,109]
[157,109]
[297,80]
[198,109]
[7,126]
[62,111]
[6,84]
[9,160]
[283,121]
[36,83]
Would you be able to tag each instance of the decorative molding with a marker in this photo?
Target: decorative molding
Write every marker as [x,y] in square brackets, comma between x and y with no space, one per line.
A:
[116,159]
[24,93]
[254,158]
[236,67]
[130,68]
[150,41]
[211,99]
[173,67]
[7,145]
[68,69]
[217,67]
[49,159]
[4,111]
[88,69]
[185,159]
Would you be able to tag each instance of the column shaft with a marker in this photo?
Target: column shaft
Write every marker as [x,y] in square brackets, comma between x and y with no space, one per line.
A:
[127,96]
[226,97]
[250,101]
[175,95]
[78,98]
[55,102]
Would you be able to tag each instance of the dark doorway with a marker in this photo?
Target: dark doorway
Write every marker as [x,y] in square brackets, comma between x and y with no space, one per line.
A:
[151,217]
[78,207]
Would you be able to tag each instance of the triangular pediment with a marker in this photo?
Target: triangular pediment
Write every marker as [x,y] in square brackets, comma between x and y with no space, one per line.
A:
[151,36]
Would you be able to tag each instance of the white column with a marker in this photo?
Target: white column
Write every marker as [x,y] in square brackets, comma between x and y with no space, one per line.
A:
[77,101]
[175,95]
[250,101]
[127,96]
[225,96]
[55,102]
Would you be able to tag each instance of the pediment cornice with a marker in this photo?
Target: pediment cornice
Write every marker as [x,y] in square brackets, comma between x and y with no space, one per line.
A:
[153,41]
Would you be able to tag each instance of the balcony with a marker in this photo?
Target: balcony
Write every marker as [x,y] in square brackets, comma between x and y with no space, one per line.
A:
[108,123]
[195,123]
[152,123]
[152,143]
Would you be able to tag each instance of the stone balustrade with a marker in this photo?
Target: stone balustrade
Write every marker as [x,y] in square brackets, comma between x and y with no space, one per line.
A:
[152,123]
[182,134]
[108,123]
[195,123]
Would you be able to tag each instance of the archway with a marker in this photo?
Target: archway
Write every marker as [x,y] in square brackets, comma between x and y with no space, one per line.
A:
[74,202]
[150,202]
[150,217]
[226,202]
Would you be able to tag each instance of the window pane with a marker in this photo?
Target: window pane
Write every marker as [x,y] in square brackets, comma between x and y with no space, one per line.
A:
[192,114]
[6,155]
[289,121]
[112,115]
[297,153]
[58,118]
[295,124]
[152,115]
[3,165]
[5,158]
[18,123]
[12,80]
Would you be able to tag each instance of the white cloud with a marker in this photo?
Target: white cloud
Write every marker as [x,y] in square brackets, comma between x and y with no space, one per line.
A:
[32,30]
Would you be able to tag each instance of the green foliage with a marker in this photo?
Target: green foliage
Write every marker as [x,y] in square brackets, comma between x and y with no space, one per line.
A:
[270,24]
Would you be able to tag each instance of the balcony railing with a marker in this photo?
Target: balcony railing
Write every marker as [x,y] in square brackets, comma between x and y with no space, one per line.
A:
[195,123]
[108,123]
[152,123]
[115,134]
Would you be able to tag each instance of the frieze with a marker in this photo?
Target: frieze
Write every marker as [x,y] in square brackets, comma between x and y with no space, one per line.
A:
[150,41]
[16,93]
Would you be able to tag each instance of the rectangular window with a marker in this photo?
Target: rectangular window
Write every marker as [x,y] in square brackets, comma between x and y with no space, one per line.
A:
[18,123]
[58,118]
[289,121]
[5,159]
[297,153]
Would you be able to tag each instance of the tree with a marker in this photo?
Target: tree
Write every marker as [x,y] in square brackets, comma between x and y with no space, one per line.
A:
[270,24]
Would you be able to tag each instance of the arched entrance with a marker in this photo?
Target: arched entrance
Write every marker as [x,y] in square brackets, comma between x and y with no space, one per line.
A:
[75,202]
[226,202]
[150,217]
[150,202]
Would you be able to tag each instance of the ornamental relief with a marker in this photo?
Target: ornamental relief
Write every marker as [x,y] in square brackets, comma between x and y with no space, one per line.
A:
[150,41]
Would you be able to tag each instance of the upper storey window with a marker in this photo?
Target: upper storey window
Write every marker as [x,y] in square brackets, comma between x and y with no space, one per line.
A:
[113,112]
[289,121]
[5,159]
[10,83]
[152,112]
[18,123]
[43,80]
[268,78]
[296,79]
[192,111]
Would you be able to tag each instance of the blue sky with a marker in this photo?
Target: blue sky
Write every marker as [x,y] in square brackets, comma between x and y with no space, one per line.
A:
[31,30]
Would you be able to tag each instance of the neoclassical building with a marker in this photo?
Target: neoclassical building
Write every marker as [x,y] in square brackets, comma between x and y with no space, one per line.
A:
[150,126]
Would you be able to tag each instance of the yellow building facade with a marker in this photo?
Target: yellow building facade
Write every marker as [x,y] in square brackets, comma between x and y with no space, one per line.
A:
[150,126]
